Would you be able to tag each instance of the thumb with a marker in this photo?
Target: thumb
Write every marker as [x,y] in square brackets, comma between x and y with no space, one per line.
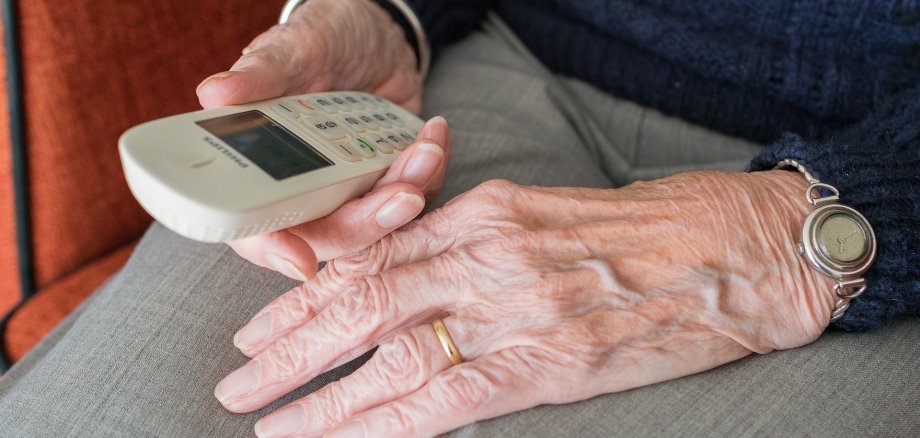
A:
[253,78]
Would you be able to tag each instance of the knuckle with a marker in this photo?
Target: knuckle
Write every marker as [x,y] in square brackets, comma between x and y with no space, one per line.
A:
[400,361]
[286,358]
[464,390]
[492,193]
[397,421]
[361,309]
[296,305]
[499,187]
[369,261]
[342,270]
[331,408]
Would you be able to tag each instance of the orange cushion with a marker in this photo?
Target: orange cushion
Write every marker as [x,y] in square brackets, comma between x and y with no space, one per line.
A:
[9,270]
[92,69]
[51,305]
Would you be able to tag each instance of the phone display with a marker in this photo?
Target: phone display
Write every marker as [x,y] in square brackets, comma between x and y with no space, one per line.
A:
[266,143]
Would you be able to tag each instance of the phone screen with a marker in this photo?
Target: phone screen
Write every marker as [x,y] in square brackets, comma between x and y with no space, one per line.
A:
[266,143]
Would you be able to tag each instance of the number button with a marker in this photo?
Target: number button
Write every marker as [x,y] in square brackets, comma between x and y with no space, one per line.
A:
[394,119]
[369,121]
[324,126]
[355,102]
[381,143]
[363,147]
[323,104]
[407,136]
[382,120]
[397,141]
[353,122]
[342,104]
[382,104]
[370,101]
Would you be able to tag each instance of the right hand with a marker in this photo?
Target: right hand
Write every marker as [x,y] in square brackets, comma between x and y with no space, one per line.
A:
[338,45]
[326,45]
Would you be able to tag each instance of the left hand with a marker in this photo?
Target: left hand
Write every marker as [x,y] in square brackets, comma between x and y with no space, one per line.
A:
[552,295]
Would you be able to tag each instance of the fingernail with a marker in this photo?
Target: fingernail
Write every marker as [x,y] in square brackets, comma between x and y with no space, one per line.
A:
[401,208]
[349,430]
[221,75]
[285,422]
[238,383]
[424,162]
[284,266]
[254,333]
[436,128]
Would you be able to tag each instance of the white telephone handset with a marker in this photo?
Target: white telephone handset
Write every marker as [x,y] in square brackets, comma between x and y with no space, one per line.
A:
[227,173]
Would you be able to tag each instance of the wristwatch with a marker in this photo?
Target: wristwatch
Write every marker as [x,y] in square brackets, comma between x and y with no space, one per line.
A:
[836,240]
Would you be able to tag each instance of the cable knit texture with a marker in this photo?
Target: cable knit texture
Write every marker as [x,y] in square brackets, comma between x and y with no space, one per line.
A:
[831,82]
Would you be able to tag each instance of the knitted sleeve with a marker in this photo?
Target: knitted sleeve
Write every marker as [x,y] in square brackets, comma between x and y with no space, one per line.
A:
[446,21]
[876,166]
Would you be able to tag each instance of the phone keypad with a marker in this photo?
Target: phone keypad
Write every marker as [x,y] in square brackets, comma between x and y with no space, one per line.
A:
[380,142]
[354,123]
[323,104]
[369,121]
[346,151]
[355,102]
[358,126]
[364,147]
[325,126]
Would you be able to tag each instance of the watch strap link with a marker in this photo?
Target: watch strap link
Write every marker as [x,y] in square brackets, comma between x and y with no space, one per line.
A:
[820,194]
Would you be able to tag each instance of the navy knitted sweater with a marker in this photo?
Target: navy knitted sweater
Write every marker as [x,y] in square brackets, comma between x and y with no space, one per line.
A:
[833,83]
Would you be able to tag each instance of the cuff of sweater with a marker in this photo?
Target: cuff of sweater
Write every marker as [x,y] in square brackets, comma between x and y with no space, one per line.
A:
[446,21]
[793,146]
[827,162]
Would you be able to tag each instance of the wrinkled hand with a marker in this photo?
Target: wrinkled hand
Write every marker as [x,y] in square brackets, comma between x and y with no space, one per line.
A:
[552,295]
[326,45]
[337,45]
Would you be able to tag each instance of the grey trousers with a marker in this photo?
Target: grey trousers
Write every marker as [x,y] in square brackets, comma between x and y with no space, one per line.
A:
[142,356]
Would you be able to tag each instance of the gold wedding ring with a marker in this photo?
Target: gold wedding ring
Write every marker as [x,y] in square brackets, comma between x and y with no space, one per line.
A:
[449,347]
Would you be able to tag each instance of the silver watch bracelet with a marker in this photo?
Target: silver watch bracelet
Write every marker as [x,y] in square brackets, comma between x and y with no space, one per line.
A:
[424,50]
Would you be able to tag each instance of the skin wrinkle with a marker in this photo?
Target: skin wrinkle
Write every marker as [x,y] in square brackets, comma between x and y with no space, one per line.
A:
[599,306]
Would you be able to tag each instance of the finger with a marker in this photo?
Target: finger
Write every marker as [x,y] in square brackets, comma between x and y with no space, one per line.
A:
[256,76]
[351,324]
[283,315]
[280,251]
[422,167]
[298,306]
[354,226]
[398,368]
[360,222]
[487,387]
[414,166]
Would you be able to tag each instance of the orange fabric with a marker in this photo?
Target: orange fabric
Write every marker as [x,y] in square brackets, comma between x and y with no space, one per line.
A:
[91,70]
[9,269]
[50,306]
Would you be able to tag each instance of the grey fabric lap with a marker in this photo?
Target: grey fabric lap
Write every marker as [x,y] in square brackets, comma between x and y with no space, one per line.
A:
[143,356]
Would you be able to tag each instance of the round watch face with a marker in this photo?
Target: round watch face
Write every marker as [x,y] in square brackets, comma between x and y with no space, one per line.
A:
[842,237]
[838,241]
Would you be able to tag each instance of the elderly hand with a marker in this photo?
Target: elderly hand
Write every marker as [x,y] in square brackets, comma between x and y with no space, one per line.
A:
[326,45]
[337,45]
[552,295]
